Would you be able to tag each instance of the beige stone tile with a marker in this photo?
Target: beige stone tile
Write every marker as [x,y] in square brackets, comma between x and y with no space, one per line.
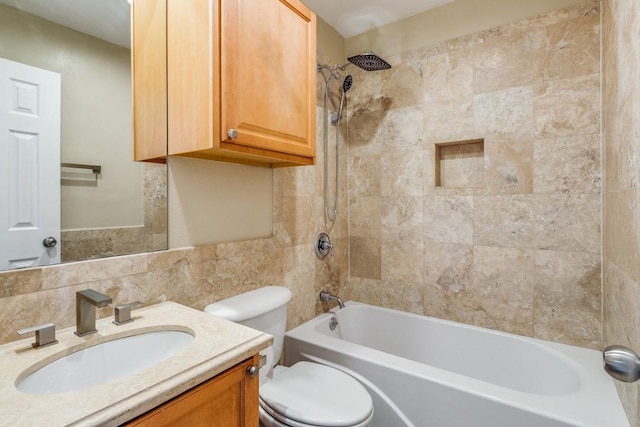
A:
[448,78]
[332,272]
[449,121]
[568,298]
[366,122]
[507,112]
[621,314]
[401,213]
[508,166]
[567,164]
[300,222]
[503,62]
[515,317]
[400,84]
[35,308]
[461,164]
[611,230]
[90,271]
[627,246]
[568,49]
[626,146]
[402,257]
[20,282]
[299,274]
[449,219]
[621,307]
[299,181]
[365,217]
[362,290]
[503,274]
[254,267]
[401,297]
[403,173]
[567,222]
[365,258]
[448,278]
[505,221]
[611,148]
[402,129]
[567,106]
[365,176]
[429,178]
[448,96]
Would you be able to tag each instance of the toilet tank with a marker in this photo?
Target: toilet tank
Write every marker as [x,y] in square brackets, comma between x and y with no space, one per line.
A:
[264,309]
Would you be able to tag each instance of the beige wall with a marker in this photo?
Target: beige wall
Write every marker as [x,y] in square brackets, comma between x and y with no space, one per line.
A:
[95,118]
[621,179]
[514,245]
[215,202]
[446,22]
[330,43]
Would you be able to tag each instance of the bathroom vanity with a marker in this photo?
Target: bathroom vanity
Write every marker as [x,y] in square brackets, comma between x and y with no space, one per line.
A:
[211,377]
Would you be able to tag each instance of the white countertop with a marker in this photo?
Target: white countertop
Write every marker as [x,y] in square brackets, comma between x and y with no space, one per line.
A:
[218,345]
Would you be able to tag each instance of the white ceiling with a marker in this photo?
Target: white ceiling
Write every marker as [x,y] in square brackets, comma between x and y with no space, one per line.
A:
[352,17]
[106,19]
[110,19]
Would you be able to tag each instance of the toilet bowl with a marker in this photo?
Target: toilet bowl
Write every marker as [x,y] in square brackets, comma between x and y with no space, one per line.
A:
[309,394]
[306,394]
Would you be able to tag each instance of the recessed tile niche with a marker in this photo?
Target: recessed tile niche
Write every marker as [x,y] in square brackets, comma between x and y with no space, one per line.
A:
[459,164]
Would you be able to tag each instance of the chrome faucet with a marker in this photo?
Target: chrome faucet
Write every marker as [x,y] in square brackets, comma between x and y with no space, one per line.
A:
[86,303]
[326,296]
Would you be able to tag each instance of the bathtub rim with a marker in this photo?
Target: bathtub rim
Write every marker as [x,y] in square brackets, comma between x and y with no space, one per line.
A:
[573,407]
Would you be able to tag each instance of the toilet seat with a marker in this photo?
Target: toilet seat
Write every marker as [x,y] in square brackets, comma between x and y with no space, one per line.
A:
[310,394]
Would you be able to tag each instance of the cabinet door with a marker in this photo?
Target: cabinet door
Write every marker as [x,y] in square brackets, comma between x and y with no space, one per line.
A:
[149,74]
[268,75]
[228,400]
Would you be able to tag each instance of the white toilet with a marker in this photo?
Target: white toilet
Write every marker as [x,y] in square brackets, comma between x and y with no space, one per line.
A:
[306,394]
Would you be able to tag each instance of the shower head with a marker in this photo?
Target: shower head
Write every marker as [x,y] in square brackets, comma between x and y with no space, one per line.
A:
[346,85]
[369,61]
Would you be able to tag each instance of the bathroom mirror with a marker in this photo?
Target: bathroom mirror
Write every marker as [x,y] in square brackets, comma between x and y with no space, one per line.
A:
[121,207]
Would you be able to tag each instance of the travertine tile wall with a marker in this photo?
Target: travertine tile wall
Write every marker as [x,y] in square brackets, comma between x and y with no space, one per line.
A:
[621,164]
[198,276]
[520,253]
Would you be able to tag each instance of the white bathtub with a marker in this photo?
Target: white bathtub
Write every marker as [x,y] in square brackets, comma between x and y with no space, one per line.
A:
[423,371]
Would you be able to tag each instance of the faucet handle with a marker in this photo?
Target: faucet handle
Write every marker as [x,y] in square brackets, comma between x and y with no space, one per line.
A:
[122,313]
[45,334]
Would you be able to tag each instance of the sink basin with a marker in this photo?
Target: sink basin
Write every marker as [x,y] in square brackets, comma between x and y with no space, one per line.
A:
[104,362]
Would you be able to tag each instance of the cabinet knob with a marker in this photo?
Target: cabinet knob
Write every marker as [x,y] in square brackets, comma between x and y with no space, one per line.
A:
[252,371]
[232,133]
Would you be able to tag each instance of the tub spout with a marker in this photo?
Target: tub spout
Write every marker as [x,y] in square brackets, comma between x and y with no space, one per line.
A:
[326,296]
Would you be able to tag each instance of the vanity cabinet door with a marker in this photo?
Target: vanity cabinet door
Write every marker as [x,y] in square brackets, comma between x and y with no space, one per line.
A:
[241,81]
[227,400]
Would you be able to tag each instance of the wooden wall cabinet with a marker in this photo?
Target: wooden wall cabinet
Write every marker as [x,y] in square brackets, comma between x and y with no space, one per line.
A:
[227,400]
[240,80]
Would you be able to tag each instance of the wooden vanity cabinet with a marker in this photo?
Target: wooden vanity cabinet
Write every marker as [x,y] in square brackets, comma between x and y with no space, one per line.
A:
[228,400]
[241,80]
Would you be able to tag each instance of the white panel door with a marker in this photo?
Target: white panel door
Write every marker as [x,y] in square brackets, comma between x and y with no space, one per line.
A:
[29,165]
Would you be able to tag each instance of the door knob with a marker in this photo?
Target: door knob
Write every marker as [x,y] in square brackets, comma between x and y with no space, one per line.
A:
[49,242]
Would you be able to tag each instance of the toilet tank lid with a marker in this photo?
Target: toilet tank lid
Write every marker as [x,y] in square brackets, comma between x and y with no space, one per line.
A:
[250,304]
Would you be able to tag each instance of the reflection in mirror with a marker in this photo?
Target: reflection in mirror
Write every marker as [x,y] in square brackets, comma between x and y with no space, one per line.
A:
[123,208]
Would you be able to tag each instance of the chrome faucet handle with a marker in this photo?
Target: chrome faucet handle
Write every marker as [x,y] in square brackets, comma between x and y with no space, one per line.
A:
[122,313]
[45,334]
